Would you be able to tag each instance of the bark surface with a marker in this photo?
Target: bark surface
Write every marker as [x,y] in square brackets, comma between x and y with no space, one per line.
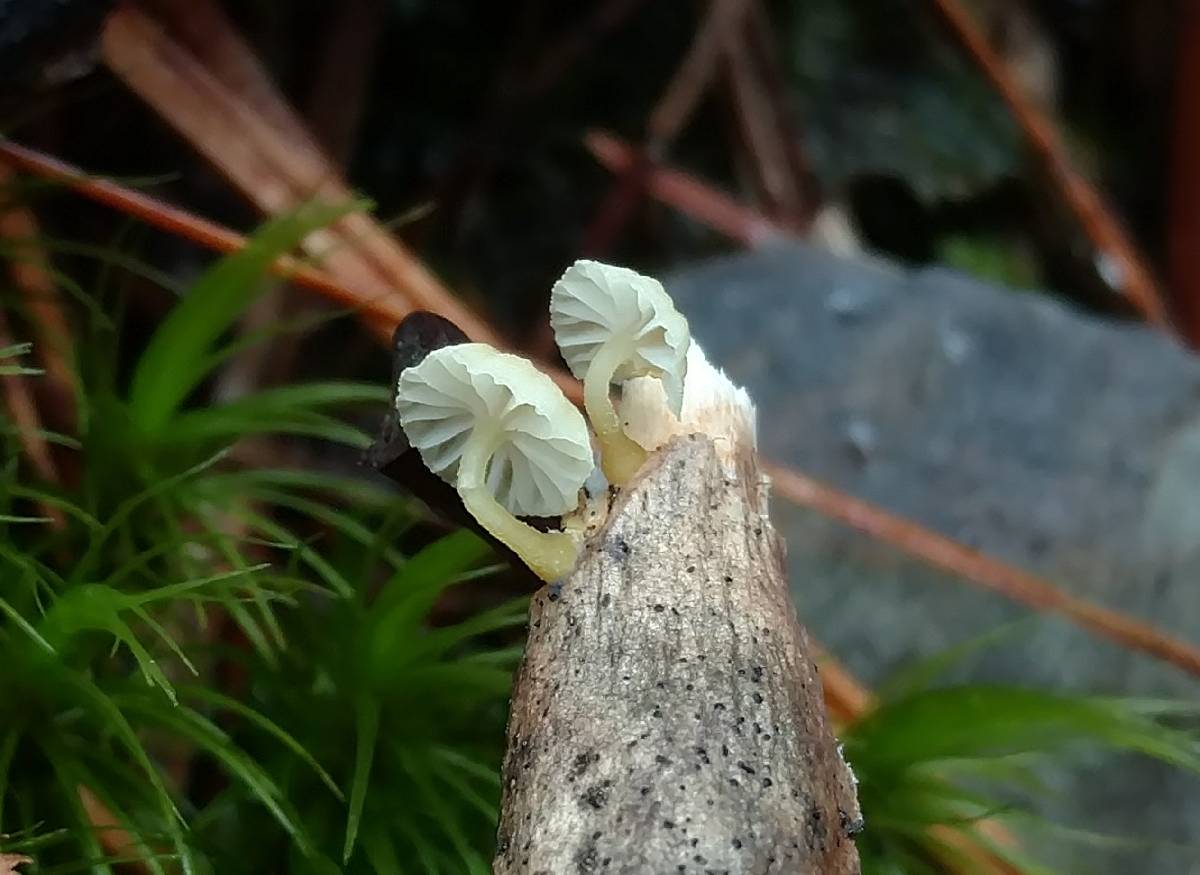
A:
[667,716]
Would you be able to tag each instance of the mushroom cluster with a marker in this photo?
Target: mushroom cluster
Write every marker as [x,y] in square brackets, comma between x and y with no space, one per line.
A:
[504,435]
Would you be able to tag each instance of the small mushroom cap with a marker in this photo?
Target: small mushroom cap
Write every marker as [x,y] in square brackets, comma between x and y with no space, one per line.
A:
[544,453]
[594,302]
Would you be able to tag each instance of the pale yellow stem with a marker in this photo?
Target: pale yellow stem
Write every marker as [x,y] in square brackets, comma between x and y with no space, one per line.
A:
[620,455]
[550,555]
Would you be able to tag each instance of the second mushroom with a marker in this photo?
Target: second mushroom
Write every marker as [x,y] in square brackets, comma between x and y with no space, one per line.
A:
[612,325]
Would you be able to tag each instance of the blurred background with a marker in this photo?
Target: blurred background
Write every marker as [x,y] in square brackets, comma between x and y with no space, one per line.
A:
[952,248]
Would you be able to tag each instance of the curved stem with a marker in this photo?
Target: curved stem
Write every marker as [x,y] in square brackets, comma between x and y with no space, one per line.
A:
[620,455]
[550,555]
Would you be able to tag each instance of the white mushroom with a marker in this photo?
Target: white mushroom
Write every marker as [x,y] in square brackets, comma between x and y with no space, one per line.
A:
[503,434]
[612,324]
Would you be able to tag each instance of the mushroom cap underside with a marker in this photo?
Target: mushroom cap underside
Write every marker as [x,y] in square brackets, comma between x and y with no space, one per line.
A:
[542,452]
[593,303]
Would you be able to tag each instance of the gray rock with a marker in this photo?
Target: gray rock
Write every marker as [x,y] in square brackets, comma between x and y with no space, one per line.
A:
[1062,443]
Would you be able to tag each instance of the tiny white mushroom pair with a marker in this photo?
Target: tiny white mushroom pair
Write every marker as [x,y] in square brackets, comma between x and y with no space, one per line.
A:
[503,434]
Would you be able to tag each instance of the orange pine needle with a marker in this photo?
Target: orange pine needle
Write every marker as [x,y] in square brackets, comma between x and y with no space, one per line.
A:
[166,217]
[18,398]
[1122,265]
[984,571]
[117,841]
[693,198]
[43,307]
[276,171]
[845,696]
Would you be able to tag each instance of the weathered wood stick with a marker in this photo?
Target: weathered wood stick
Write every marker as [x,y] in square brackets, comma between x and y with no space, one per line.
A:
[668,716]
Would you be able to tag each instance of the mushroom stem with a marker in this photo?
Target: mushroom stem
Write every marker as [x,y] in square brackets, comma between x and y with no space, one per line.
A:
[550,555]
[620,455]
